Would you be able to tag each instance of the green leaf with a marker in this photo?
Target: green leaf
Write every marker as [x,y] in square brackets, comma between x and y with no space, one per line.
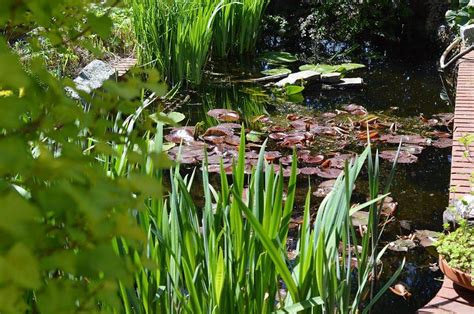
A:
[101,25]
[277,71]
[274,253]
[321,68]
[293,89]
[177,117]
[23,267]
[301,306]
[220,276]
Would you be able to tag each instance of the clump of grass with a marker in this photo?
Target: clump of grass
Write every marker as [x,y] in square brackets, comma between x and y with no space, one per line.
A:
[237,27]
[175,36]
[230,254]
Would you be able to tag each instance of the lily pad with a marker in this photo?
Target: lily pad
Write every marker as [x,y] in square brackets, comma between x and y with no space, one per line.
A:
[179,135]
[426,237]
[324,188]
[401,245]
[404,157]
[327,68]
[225,115]
[321,68]
[442,143]
[309,171]
[277,71]
[293,89]
[360,218]
[329,173]
[406,139]
[176,116]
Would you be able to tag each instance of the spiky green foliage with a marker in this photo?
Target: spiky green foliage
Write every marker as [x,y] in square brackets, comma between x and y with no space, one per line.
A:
[237,27]
[229,255]
[175,36]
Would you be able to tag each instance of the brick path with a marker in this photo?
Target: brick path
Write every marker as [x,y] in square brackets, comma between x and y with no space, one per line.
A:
[451,298]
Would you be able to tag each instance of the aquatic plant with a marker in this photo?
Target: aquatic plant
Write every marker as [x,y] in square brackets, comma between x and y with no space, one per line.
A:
[230,253]
[237,27]
[175,36]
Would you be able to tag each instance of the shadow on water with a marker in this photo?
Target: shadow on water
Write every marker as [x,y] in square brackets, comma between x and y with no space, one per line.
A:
[405,86]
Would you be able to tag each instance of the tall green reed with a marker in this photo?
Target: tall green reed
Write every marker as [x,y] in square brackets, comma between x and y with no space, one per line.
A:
[178,36]
[238,26]
[175,36]
[230,254]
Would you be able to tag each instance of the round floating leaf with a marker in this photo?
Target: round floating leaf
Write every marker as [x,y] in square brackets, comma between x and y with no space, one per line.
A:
[321,68]
[278,71]
[346,67]
[293,89]
[176,116]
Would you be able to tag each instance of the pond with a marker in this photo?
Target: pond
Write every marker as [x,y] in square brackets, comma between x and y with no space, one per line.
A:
[403,85]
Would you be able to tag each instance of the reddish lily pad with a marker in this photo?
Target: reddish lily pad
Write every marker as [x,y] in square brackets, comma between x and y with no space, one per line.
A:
[214,139]
[230,126]
[426,237]
[404,157]
[309,171]
[287,172]
[286,160]
[406,139]
[224,115]
[232,140]
[311,159]
[329,173]
[218,131]
[293,140]
[356,109]
[272,155]
[442,143]
[324,188]
[278,136]
[179,135]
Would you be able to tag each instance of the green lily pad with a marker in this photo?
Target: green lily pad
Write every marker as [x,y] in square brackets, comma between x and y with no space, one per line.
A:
[176,116]
[321,68]
[278,71]
[293,89]
[255,137]
[327,68]
[346,67]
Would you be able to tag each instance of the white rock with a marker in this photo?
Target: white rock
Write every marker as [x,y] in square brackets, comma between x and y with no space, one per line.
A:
[351,81]
[92,77]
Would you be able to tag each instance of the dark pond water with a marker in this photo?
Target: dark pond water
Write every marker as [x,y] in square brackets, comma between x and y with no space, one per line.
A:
[400,85]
